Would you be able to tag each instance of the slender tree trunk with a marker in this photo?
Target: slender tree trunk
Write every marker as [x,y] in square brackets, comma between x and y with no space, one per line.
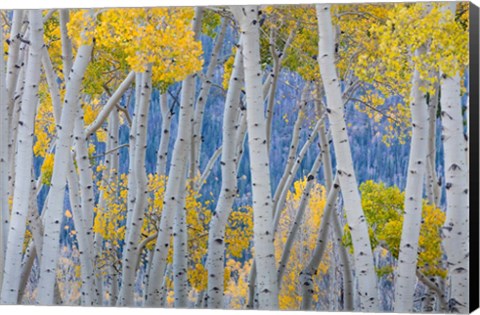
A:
[407,258]
[132,183]
[306,276]
[110,105]
[292,150]
[298,219]
[87,198]
[24,159]
[259,159]
[54,208]
[4,206]
[432,186]
[364,266]
[176,182]
[228,190]
[67,54]
[180,250]
[345,265]
[162,153]
[291,175]
[130,259]
[202,100]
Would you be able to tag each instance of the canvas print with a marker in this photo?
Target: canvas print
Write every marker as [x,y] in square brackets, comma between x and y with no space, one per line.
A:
[280,157]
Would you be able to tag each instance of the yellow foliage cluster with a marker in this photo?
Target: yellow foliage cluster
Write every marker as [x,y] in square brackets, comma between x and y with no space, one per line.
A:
[378,42]
[383,208]
[290,294]
[159,36]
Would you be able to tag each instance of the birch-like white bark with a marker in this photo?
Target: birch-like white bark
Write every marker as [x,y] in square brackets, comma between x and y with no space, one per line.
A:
[208,169]
[13,57]
[306,276]
[277,57]
[202,100]
[130,256]
[291,176]
[292,150]
[228,190]
[364,265]
[162,153]
[4,207]
[180,251]
[87,197]
[456,228]
[132,183]
[54,208]
[175,183]
[302,207]
[259,158]
[67,54]
[408,253]
[110,105]
[23,174]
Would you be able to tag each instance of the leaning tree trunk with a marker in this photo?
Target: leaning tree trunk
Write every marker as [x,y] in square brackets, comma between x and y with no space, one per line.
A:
[408,253]
[228,190]
[306,276]
[23,174]
[456,229]
[54,207]
[130,257]
[298,219]
[4,207]
[259,159]
[364,265]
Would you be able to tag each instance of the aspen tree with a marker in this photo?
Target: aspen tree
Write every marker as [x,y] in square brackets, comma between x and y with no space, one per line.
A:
[407,259]
[129,263]
[456,229]
[54,207]
[364,267]
[259,159]
[228,190]
[176,182]
[23,174]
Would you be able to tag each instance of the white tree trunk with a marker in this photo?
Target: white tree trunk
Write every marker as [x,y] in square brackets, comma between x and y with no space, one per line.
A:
[306,276]
[202,100]
[292,150]
[162,153]
[259,159]
[130,257]
[228,190]
[132,183]
[407,258]
[87,198]
[280,203]
[364,266]
[298,219]
[4,206]
[456,229]
[13,57]
[175,184]
[67,54]
[180,251]
[110,105]
[24,159]
[54,208]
